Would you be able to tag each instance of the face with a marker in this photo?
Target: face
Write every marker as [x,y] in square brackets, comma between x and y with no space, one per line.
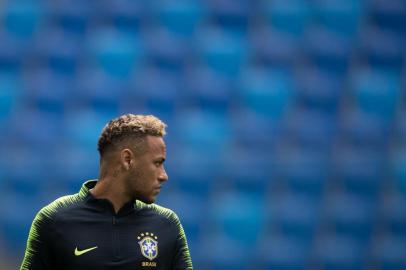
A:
[147,174]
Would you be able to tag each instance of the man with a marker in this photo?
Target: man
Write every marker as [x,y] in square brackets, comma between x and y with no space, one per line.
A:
[112,223]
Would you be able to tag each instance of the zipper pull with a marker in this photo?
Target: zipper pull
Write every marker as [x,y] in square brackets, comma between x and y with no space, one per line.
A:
[114,220]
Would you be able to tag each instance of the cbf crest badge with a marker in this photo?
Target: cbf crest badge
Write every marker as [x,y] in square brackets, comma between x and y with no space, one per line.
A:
[149,245]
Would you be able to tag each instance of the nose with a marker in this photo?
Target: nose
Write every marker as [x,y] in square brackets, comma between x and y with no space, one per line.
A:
[163,176]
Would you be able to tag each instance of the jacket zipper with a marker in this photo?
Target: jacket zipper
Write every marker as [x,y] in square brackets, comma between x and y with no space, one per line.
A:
[115,239]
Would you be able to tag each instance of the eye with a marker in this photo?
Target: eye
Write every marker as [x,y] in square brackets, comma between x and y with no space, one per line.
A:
[159,162]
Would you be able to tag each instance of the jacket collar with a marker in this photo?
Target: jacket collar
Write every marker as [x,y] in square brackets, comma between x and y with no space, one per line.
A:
[104,204]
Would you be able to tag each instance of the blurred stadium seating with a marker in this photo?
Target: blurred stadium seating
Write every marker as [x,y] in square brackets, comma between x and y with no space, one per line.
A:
[286,138]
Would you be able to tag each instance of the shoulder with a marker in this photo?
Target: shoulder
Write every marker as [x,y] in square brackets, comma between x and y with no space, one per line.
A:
[60,205]
[159,211]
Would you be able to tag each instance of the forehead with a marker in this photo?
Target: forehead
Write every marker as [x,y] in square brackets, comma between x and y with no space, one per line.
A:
[156,145]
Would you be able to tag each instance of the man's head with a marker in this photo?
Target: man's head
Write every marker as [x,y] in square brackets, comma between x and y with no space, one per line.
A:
[132,151]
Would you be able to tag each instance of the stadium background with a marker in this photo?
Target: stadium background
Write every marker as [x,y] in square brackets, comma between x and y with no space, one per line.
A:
[286,139]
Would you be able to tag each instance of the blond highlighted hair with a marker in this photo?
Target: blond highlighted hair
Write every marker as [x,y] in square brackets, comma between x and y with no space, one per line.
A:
[129,126]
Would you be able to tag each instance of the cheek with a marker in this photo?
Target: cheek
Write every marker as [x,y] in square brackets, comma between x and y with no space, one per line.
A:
[145,176]
[137,176]
[154,172]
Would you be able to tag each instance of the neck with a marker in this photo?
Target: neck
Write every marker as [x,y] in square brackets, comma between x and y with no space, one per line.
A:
[112,190]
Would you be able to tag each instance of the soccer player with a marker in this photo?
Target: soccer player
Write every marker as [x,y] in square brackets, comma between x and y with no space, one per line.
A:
[112,222]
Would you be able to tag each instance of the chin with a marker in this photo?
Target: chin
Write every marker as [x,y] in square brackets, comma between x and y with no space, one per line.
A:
[148,200]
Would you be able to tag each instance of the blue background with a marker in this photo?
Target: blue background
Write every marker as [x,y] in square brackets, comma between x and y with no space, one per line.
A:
[286,138]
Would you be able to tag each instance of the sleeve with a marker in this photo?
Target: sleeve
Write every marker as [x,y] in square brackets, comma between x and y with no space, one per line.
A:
[182,259]
[38,252]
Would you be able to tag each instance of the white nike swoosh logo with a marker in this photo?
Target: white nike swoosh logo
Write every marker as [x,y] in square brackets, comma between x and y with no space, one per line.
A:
[81,252]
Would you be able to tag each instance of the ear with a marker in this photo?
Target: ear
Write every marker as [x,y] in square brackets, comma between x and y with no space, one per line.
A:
[126,158]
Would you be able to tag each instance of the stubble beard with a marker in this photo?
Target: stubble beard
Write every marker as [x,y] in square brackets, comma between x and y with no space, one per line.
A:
[134,182]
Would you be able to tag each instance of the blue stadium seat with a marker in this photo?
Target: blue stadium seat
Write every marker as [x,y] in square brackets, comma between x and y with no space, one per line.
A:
[204,131]
[389,252]
[166,50]
[343,17]
[310,128]
[24,181]
[362,129]
[15,221]
[231,242]
[114,53]
[358,170]
[400,126]
[238,216]
[398,168]
[82,126]
[267,91]
[197,151]
[221,51]
[333,252]
[253,130]
[179,17]
[376,91]
[294,215]
[248,170]
[100,92]
[219,252]
[208,90]
[319,90]
[293,16]
[158,89]
[328,50]
[389,15]
[76,165]
[73,19]
[271,47]
[125,16]
[21,19]
[4,168]
[380,48]
[27,147]
[193,218]
[39,128]
[233,15]
[350,216]
[12,53]
[61,53]
[47,91]
[393,211]
[9,96]
[277,252]
[303,170]
[192,169]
